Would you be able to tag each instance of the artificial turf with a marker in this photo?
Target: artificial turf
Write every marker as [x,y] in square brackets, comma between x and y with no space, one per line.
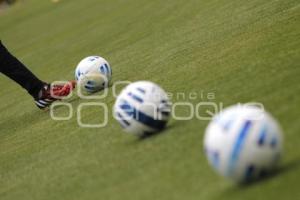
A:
[240,51]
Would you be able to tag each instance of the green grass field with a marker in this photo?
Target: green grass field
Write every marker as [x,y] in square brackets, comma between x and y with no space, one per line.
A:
[242,51]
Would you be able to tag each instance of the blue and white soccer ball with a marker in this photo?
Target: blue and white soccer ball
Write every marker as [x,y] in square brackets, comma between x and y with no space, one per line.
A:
[93,73]
[243,143]
[142,108]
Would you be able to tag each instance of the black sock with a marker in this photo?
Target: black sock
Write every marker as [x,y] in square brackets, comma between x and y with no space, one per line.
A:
[14,69]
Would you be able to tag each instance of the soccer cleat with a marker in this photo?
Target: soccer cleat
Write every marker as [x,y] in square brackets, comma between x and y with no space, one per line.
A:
[53,92]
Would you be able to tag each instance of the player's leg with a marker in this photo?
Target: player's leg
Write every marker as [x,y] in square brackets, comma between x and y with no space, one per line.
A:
[42,93]
[14,69]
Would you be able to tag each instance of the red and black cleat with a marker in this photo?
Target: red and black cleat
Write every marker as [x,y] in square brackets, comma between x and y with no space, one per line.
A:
[53,92]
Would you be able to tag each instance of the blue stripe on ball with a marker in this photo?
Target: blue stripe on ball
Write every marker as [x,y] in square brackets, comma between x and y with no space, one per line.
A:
[89,88]
[102,69]
[238,146]
[107,69]
[262,136]
[135,97]
[122,121]
[142,117]
[141,90]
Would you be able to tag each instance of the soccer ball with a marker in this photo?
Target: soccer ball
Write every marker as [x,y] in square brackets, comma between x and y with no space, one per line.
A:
[243,143]
[142,108]
[93,74]
[92,82]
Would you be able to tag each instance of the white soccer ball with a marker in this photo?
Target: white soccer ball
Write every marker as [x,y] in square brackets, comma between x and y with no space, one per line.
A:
[243,143]
[142,108]
[93,73]
[92,82]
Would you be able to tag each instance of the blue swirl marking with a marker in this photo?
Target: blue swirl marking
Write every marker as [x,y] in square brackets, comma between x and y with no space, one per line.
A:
[122,121]
[102,70]
[238,146]
[135,97]
[142,117]
[89,87]
[107,69]
[141,90]
[78,75]
[262,136]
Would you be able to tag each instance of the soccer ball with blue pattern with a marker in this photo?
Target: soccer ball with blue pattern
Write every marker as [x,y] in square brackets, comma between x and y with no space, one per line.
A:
[142,108]
[93,74]
[243,143]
